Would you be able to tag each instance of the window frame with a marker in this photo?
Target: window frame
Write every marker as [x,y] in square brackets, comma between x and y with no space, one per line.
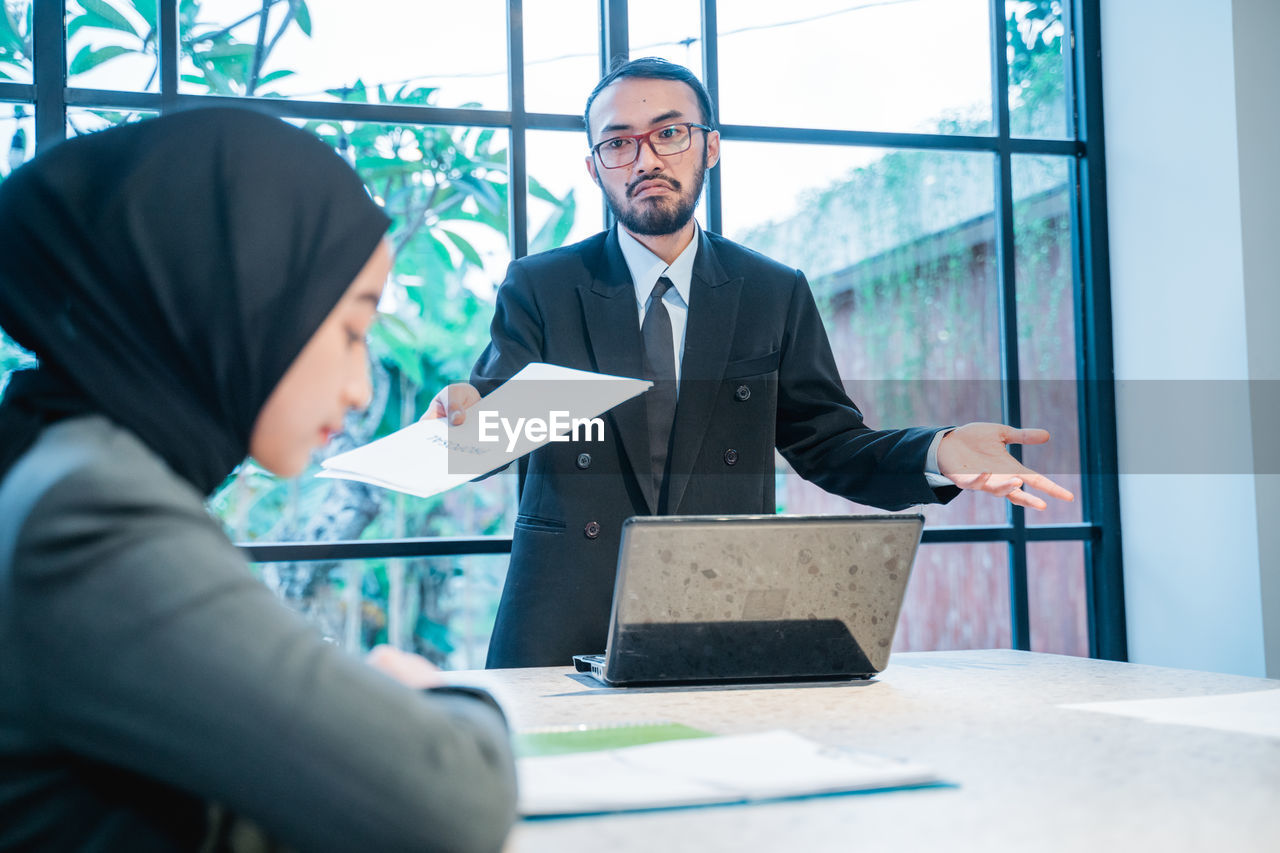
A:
[1100,529]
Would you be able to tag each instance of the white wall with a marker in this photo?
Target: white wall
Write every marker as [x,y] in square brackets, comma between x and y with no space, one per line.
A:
[1256,32]
[1191,112]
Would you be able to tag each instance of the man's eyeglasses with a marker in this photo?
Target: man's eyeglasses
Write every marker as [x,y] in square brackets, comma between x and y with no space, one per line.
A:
[619,151]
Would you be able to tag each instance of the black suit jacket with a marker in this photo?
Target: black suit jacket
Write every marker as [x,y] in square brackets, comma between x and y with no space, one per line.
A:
[757,373]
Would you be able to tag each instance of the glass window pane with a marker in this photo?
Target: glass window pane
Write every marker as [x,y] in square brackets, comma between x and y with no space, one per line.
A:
[442,608]
[445,189]
[17,136]
[557,169]
[111,44]
[898,247]
[1042,188]
[15,41]
[921,66]
[958,598]
[561,54]
[1037,68]
[81,121]
[12,356]
[1056,598]
[670,29]
[387,51]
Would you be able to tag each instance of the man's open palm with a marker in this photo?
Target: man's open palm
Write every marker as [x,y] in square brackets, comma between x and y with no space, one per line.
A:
[976,456]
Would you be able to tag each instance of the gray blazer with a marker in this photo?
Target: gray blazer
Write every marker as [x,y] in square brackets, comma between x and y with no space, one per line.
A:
[145,675]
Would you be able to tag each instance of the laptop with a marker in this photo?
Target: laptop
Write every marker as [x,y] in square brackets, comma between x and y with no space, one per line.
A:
[707,599]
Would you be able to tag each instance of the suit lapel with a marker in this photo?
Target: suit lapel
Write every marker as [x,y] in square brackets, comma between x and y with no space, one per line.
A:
[713,313]
[613,328]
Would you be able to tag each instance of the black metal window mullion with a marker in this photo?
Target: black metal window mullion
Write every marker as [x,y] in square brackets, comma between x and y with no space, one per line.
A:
[898,139]
[445,546]
[614,37]
[1069,84]
[711,79]
[1019,608]
[169,57]
[49,66]
[517,183]
[615,46]
[1095,365]
[17,92]
[318,110]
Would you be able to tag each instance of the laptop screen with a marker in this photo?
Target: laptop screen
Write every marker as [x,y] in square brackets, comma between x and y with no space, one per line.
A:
[741,597]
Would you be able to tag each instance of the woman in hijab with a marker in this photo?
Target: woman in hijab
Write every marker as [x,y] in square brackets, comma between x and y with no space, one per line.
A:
[197,288]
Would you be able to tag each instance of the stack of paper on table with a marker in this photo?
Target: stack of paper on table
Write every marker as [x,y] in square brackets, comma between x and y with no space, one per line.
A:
[695,771]
[429,457]
[1255,713]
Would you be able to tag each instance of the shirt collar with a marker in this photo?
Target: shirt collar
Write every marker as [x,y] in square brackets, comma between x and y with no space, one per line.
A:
[646,267]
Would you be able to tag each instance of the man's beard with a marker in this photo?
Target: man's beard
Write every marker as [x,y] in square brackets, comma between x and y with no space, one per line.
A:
[666,216]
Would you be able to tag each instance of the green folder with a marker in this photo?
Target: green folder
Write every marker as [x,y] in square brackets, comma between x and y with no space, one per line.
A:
[561,740]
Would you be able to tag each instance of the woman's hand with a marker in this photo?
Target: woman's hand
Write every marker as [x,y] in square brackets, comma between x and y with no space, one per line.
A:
[405,667]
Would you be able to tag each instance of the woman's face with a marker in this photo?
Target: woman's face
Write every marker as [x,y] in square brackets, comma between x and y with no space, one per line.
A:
[327,379]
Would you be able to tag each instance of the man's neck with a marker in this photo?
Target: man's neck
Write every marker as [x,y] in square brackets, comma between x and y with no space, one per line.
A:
[667,246]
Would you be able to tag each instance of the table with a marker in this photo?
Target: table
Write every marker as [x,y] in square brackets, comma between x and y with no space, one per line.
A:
[1028,774]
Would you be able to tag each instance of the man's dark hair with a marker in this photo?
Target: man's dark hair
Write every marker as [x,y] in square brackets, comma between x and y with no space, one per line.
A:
[653,68]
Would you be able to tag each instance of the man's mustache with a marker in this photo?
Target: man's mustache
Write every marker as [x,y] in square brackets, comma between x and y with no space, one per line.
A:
[671,182]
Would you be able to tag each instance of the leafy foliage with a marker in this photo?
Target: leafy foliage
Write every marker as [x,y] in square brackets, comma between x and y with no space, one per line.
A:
[12,357]
[1037,67]
[446,190]
[222,63]
[15,41]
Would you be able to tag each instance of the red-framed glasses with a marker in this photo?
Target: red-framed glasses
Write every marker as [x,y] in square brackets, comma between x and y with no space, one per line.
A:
[619,151]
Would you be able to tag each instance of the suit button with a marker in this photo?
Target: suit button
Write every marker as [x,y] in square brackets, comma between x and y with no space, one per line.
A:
[731,457]
[584,460]
[592,530]
[743,393]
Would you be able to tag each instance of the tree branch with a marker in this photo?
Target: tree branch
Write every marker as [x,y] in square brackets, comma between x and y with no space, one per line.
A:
[252,83]
[413,224]
[217,34]
[284,25]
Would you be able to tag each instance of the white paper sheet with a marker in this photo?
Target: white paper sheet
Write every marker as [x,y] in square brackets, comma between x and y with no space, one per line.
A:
[429,457]
[1255,713]
[727,769]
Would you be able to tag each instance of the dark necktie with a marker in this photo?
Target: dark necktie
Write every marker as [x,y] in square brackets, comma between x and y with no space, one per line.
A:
[659,366]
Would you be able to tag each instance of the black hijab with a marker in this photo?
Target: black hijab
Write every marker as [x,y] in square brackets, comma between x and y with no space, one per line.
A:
[167,273]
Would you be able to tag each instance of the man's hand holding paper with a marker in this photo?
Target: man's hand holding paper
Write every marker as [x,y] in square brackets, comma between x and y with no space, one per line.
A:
[540,404]
[453,401]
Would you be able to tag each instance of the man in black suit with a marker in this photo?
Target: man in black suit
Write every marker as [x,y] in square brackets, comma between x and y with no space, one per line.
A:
[741,365]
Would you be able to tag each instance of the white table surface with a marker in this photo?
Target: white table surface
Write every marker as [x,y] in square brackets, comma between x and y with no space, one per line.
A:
[1028,774]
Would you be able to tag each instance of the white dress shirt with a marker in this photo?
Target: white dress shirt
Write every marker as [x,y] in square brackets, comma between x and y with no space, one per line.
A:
[646,268]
